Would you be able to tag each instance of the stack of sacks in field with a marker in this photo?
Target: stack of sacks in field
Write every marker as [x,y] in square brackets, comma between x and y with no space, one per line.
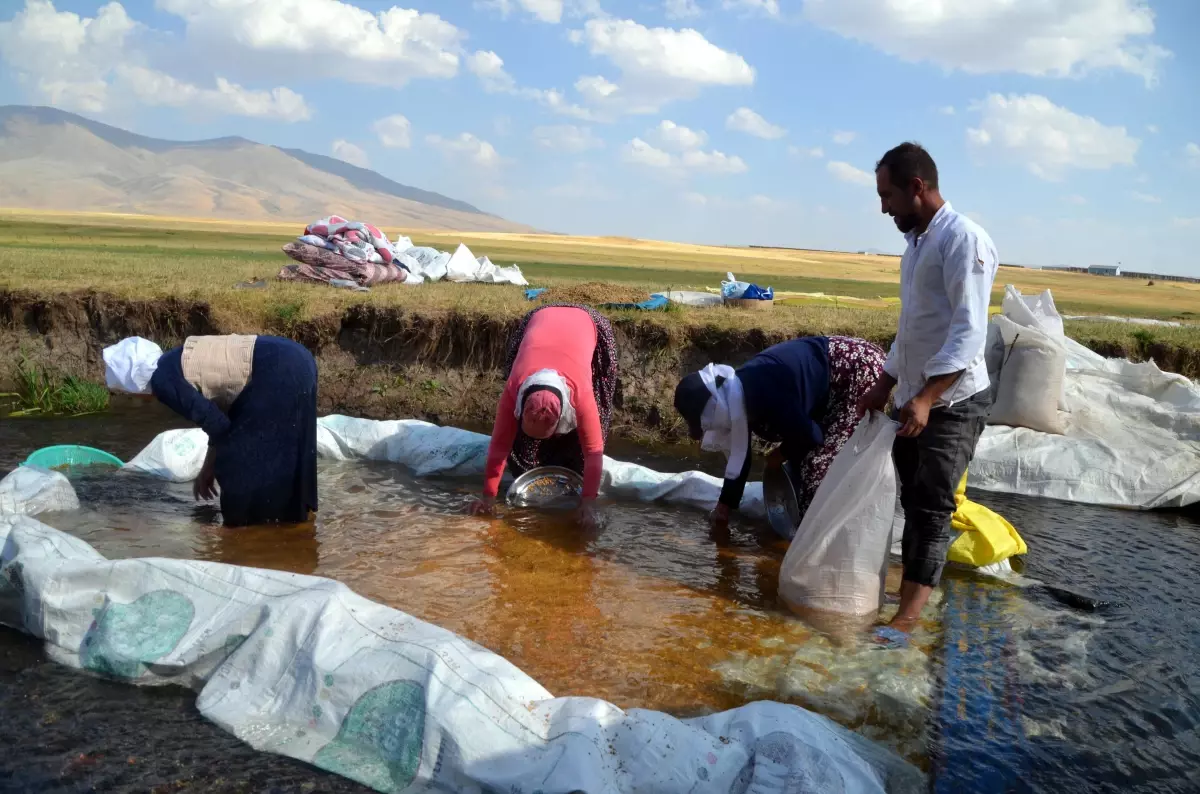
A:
[334,250]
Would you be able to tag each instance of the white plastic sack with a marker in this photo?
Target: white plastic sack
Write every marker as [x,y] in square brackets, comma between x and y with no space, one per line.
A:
[430,264]
[692,298]
[1132,439]
[1031,372]
[731,288]
[304,667]
[837,562]
[130,364]
[465,267]
[1036,312]
[175,455]
[29,490]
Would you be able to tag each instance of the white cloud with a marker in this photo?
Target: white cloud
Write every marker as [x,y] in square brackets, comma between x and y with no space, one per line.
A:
[639,152]
[1075,199]
[848,173]
[678,137]
[713,162]
[1048,139]
[1059,38]
[801,151]
[489,68]
[844,138]
[91,64]
[1192,153]
[657,65]
[348,152]
[395,131]
[681,9]
[549,11]
[767,7]
[747,121]
[323,38]
[155,88]
[63,57]
[566,138]
[1187,223]
[466,147]
[1146,198]
[947,110]
[1152,129]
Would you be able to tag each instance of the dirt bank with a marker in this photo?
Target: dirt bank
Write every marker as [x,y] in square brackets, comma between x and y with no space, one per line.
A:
[444,366]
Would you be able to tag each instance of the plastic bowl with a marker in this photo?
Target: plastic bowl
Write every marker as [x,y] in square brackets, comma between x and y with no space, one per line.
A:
[71,455]
[546,487]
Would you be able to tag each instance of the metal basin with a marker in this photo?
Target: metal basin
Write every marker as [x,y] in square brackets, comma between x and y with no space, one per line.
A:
[779,495]
[547,487]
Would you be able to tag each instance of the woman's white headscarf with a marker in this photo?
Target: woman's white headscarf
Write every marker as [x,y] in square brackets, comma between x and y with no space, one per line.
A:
[548,377]
[130,363]
[724,418]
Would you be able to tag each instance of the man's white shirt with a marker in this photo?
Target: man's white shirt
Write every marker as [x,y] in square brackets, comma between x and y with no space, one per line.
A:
[946,279]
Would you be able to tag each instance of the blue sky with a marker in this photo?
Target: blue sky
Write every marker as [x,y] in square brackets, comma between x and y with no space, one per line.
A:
[1070,129]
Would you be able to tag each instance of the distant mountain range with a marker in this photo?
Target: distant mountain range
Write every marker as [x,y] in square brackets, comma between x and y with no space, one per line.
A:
[54,160]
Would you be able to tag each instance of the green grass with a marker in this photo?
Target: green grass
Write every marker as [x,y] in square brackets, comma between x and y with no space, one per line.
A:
[43,392]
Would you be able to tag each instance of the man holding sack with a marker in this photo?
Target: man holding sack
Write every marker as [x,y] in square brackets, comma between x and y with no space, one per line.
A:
[936,365]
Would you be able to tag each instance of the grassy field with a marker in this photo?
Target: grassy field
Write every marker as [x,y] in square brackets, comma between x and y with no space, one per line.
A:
[141,257]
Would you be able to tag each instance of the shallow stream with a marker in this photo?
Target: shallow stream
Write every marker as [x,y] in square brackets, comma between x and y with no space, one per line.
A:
[1003,689]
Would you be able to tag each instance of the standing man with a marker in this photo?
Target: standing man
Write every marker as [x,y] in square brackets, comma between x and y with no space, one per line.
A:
[936,364]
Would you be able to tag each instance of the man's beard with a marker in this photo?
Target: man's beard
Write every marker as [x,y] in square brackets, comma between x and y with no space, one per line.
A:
[906,223]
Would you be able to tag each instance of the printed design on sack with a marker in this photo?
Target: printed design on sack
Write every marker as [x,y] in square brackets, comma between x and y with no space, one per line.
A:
[11,580]
[124,638]
[380,740]
[782,764]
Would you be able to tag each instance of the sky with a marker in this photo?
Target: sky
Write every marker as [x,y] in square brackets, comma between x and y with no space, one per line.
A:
[1070,129]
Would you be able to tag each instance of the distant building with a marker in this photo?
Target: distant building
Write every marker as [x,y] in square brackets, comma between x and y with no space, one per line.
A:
[1104,270]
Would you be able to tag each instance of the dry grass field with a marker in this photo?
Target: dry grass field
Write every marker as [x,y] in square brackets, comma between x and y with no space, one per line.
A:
[153,257]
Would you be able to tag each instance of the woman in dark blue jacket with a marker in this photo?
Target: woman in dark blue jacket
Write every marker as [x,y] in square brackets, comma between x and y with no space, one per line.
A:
[256,398]
[801,394]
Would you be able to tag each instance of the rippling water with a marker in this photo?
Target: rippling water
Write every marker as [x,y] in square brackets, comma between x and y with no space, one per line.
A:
[1003,689]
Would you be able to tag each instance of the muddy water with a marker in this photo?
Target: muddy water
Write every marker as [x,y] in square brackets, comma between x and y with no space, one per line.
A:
[652,613]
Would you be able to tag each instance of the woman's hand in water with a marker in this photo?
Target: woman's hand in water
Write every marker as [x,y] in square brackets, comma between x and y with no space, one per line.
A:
[589,521]
[483,506]
[204,488]
[720,517]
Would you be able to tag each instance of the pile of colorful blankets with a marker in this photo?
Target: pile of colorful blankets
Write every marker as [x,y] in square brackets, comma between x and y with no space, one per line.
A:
[335,249]
[345,253]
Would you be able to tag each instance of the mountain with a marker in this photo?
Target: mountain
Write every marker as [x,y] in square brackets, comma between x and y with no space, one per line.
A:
[51,159]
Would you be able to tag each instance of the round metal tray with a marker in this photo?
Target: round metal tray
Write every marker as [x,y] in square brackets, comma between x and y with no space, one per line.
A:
[779,495]
[546,487]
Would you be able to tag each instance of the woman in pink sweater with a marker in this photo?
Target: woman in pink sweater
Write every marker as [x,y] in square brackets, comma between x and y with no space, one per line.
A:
[557,402]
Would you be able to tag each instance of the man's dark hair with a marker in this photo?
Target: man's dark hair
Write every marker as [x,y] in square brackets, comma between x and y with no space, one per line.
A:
[909,161]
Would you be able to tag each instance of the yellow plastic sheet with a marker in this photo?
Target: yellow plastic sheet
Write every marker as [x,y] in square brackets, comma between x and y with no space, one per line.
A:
[985,537]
